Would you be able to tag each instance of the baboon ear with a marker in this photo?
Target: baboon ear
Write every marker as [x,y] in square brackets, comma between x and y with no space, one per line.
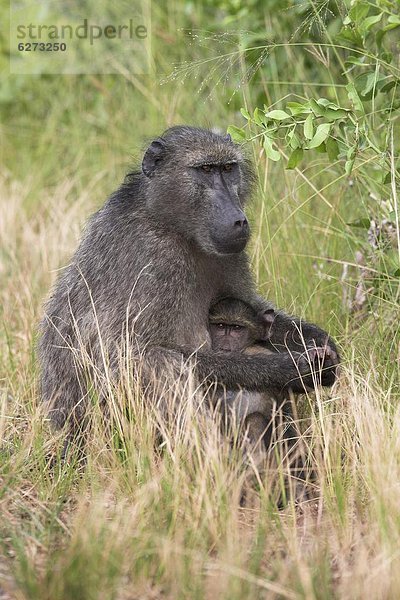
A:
[152,156]
[267,318]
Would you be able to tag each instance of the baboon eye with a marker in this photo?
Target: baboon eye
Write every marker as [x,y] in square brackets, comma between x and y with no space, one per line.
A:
[237,327]
[221,325]
[206,168]
[228,168]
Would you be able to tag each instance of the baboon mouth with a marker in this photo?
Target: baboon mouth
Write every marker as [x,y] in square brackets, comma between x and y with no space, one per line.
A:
[232,246]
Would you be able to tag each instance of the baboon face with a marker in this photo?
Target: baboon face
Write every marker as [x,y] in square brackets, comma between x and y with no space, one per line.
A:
[228,337]
[198,182]
[235,326]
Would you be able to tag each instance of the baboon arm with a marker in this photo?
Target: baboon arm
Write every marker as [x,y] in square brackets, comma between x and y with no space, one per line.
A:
[234,370]
[287,333]
[291,333]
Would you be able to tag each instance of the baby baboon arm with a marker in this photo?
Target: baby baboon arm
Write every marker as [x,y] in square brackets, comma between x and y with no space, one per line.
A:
[257,426]
[291,335]
[288,333]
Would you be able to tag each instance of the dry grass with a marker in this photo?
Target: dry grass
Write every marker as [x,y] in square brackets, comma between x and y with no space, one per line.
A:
[136,522]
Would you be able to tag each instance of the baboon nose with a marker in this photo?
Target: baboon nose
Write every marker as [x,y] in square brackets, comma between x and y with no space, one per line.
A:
[242,224]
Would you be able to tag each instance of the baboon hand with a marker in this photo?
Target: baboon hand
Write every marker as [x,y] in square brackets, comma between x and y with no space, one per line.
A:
[316,366]
[324,360]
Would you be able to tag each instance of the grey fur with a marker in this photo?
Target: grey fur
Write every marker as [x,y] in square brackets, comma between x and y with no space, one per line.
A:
[236,327]
[146,272]
[266,417]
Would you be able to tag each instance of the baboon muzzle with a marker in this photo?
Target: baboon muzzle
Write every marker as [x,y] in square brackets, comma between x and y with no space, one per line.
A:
[231,232]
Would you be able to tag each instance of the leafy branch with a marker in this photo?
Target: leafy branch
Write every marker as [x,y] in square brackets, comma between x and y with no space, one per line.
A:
[347,130]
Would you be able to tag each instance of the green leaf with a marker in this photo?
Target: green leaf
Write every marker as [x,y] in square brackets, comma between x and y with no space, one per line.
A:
[308,127]
[363,223]
[298,109]
[246,114]
[238,135]
[387,179]
[387,57]
[294,141]
[351,37]
[370,80]
[348,166]
[295,158]
[359,11]
[355,60]
[388,86]
[269,150]
[351,152]
[325,102]
[332,148]
[277,115]
[327,109]
[394,19]
[258,116]
[333,114]
[354,98]
[319,111]
[367,23]
[320,135]
[383,31]
[331,106]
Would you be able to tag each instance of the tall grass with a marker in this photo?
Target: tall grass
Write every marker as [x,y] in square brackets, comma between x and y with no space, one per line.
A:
[140,522]
[136,523]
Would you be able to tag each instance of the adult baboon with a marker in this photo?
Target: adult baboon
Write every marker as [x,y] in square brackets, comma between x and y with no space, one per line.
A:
[164,248]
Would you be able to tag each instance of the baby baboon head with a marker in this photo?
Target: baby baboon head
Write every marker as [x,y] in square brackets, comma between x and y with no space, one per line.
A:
[234,325]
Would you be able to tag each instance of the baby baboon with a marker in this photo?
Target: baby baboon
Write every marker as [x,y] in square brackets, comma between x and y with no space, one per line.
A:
[267,417]
[164,248]
[237,327]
